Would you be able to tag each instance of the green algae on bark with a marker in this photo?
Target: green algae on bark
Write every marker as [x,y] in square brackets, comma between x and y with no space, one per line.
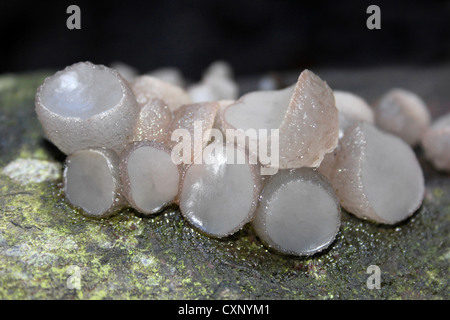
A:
[46,246]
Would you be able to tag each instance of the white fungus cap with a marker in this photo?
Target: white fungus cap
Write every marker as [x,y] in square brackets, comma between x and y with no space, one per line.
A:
[436,143]
[219,68]
[298,213]
[147,88]
[217,84]
[376,175]
[150,179]
[85,106]
[219,196]
[170,75]
[353,106]
[92,183]
[403,113]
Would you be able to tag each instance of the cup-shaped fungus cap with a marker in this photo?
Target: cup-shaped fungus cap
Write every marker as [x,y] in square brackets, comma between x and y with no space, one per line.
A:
[436,143]
[403,113]
[304,113]
[92,182]
[85,106]
[298,213]
[376,175]
[218,196]
[150,179]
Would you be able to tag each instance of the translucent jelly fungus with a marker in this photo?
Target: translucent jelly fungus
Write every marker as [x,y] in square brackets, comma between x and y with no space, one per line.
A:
[126,71]
[85,106]
[192,124]
[218,121]
[217,84]
[218,196]
[436,143]
[376,175]
[153,123]
[92,183]
[170,75]
[351,108]
[147,88]
[305,115]
[149,144]
[298,213]
[404,114]
[150,179]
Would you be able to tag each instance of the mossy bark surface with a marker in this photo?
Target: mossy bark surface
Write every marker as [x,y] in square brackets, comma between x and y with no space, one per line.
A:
[48,250]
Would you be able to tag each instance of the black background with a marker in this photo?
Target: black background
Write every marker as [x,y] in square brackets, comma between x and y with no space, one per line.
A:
[254,36]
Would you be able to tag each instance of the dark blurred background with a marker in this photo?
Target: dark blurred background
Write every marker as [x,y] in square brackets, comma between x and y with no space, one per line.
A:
[254,36]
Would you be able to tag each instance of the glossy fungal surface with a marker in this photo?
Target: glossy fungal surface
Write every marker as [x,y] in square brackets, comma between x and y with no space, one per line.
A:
[403,113]
[92,183]
[153,122]
[91,113]
[310,128]
[86,105]
[150,179]
[376,175]
[436,143]
[218,197]
[196,120]
[298,213]
[351,108]
[305,115]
